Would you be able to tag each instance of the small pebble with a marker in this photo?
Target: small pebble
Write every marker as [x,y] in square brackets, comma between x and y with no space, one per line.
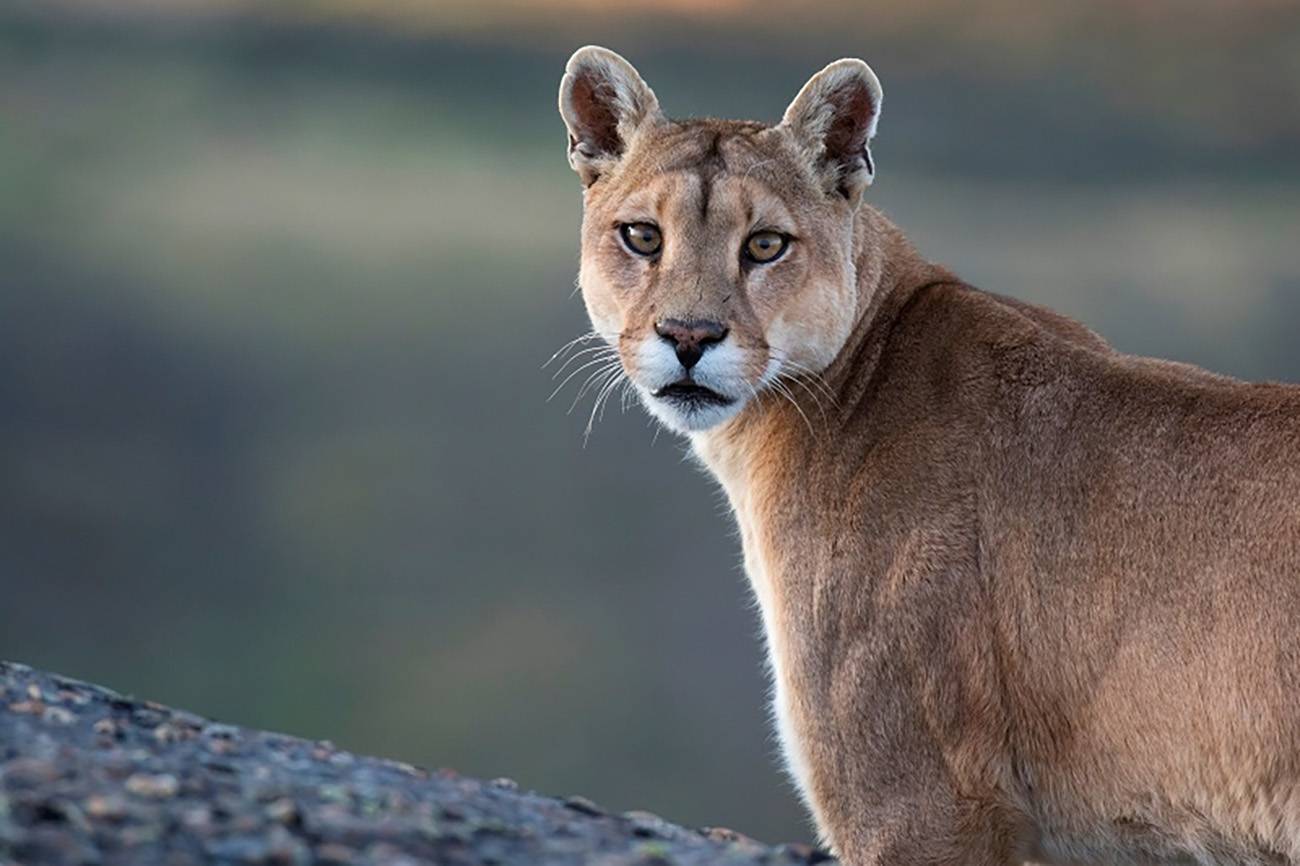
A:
[222,747]
[28,772]
[725,834]
[197,818]
[334,793]
[647,825]
[106,807]
[802,853]
[74,698]
[389,855]
[583,805]
[166,733]
[284,810]
[188,720]
[218,731]
[333,852]
[408,769]
[141,834]
[159,787]
[238,849]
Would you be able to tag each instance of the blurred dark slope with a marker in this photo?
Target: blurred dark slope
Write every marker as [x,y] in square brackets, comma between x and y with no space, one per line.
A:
[275,291]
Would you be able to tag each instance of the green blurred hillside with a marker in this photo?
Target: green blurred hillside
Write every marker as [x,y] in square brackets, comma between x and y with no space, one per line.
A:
[276,285]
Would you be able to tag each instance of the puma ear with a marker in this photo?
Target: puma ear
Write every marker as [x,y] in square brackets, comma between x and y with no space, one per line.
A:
[832,121]
[603,102]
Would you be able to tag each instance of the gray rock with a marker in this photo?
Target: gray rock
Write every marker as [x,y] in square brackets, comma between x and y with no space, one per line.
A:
[110,780]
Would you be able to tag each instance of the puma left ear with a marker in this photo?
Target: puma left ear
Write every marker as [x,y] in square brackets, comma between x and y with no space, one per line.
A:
[603,102]
[832,121]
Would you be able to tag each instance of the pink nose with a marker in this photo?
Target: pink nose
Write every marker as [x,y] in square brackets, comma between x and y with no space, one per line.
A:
[690,339]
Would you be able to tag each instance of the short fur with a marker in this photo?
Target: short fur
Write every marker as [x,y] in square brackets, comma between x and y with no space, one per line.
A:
[1025,597]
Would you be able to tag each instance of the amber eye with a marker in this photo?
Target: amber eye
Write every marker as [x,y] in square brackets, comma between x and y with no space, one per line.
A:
[643,239]
[765,247]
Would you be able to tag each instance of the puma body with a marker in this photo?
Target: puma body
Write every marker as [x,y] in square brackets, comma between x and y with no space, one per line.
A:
[1025,598]
[1052,585]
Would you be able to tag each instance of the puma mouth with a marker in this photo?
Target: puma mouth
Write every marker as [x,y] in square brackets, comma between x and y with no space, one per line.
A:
[691,395]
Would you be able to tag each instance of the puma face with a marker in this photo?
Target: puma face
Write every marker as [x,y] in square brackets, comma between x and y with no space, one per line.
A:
[717,255]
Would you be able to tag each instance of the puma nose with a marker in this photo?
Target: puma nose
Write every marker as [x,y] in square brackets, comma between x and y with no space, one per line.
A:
[690,339]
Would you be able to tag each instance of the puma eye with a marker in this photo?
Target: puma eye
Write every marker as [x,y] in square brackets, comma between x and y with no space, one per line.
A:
[643,239]
[765,247]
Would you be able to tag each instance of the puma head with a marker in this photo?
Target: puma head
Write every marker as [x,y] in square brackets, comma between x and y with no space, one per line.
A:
[717,255]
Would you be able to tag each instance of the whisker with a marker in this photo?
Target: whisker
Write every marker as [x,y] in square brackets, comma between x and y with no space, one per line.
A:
[590,350]
[610,366]
[568,378]
[625,399]
[781,388]
[796,380]
[589,335]
[806,373]
[596,405]
[813,377]
[606,394]
[595,382]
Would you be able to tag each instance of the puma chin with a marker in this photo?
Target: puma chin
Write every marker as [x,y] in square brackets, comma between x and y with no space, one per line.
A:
[712,392]
[717,254]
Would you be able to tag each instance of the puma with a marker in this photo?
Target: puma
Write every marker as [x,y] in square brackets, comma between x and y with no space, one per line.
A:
[1025,597]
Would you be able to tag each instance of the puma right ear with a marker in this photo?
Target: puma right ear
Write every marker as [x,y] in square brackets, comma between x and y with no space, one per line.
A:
[832,121]
[603,102]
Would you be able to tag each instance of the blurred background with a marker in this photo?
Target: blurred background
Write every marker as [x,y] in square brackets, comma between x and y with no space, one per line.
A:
[277,281]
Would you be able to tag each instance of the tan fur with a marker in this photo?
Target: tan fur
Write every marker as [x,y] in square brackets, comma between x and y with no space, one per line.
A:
[1025,597]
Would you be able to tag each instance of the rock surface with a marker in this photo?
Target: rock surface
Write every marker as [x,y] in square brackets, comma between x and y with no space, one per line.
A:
[88,776]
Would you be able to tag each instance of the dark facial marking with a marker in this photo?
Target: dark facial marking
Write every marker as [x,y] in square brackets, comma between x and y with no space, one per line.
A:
[711,165]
